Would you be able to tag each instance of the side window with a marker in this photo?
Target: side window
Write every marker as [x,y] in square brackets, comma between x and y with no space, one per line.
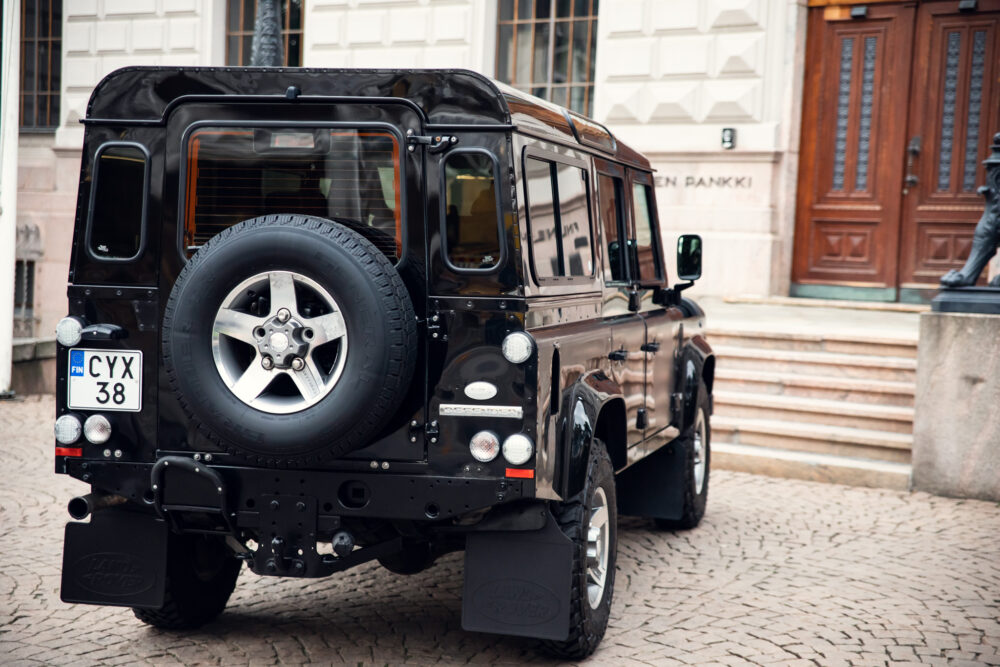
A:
[546,251]
[558,219]
[647,261]
[612,217]
[574,219]
[472,231]
[117,203]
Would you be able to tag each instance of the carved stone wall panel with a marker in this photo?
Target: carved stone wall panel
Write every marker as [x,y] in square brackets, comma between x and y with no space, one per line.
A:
[684,55]
[739,54]
[731,100]
[734,13]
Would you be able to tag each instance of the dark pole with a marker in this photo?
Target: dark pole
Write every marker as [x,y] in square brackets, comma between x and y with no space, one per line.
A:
[267,49]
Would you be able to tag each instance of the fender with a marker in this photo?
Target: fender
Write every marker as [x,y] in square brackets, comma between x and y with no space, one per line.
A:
[582,404]
[695,361]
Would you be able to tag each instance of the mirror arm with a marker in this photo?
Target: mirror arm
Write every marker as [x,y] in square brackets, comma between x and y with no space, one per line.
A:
[671,296]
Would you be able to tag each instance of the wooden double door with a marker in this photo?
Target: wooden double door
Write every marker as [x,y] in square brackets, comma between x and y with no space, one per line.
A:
[900,103]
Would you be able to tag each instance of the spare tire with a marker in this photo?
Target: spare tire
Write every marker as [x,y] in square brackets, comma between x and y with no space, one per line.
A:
[289,340]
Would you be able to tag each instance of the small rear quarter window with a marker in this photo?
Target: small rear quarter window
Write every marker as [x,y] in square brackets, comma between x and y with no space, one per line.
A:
[471,217]
[118,203]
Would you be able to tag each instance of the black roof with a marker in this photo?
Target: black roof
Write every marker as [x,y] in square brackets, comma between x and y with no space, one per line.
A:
[145,96]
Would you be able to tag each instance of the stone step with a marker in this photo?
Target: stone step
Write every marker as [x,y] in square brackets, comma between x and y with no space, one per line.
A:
[841,344]
[741,405]
[830,364]
[775,462]
[858,390]
[814,438]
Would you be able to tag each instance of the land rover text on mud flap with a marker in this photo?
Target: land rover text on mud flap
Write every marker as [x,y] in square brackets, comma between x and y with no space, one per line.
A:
[321,317]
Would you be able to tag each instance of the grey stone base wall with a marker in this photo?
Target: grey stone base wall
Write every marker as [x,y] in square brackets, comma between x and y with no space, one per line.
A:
[956,428]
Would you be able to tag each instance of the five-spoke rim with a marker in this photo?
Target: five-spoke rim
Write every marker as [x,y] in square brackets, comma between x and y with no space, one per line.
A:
[279,342]
[699,452]
[598,547]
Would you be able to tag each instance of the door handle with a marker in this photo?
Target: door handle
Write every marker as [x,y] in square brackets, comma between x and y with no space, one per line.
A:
[618,355]
[912,151]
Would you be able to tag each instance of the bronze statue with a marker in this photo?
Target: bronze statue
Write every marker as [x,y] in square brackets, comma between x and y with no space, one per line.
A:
[987,235]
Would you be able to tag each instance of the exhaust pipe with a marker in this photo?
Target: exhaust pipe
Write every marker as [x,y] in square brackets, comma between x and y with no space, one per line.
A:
[83,506]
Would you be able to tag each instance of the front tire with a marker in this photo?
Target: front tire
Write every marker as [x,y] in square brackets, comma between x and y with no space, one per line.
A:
[201,575]
[590,520]
[697,443]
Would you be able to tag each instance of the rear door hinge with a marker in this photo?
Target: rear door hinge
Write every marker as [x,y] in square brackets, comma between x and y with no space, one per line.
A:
[436,326]
[641,419]
[430,431]
[434,143]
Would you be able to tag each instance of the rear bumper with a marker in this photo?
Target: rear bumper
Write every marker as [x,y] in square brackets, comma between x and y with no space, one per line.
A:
[337,494]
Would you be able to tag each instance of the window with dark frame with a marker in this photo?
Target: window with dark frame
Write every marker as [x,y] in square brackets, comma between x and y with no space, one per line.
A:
[646,262]
[240,16]
[547,48]
[472,236]
[348,175]
[41,58]
[558,219]
[612,216]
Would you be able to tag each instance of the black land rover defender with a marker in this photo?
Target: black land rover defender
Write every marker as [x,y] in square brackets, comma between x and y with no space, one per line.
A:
[321,317]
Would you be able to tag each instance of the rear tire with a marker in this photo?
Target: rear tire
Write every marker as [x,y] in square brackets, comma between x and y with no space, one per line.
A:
[589,612]
[201,575]
[697,443]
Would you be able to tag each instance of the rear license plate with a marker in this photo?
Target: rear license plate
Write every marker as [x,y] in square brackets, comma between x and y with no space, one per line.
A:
[105,380]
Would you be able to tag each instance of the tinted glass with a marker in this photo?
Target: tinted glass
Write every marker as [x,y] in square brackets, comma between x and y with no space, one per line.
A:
[545,247]
[645,235]
[350,176]
[118,196]
[471,216]
[610,211]
[574,221]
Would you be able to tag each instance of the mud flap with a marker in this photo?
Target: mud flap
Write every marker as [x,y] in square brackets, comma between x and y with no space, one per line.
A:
[654,486]
[518,583]
[119,558]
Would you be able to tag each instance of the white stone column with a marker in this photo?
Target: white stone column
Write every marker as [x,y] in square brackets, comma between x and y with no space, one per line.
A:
[9,124]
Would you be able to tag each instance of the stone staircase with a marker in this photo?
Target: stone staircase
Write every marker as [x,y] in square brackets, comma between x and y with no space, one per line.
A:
[827,407]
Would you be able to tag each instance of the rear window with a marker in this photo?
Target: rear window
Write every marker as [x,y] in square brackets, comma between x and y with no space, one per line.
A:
[347,175]
[118,201]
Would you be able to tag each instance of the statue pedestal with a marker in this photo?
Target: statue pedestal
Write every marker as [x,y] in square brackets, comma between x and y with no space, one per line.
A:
[984,300]
[956,427]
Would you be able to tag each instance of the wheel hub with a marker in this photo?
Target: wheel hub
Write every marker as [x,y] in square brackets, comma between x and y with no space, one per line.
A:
[282,341]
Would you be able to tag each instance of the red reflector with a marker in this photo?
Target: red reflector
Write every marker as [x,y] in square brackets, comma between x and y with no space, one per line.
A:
[69,451]
[523,473]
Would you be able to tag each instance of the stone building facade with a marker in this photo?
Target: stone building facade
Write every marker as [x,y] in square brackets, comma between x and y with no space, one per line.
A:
[711,90]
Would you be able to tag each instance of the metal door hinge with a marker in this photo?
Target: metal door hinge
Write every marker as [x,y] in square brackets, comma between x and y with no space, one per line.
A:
[430,431]
[434,144]
[435,326]
[651,346]
[641,418]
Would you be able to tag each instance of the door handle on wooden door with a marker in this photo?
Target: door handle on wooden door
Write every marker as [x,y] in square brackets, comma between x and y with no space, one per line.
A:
[912,152]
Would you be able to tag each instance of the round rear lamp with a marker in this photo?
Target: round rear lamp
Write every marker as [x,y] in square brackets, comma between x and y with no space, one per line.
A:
[69,331]
[484,446]
[517,347]
[68,429]
[97,429]
[517,449]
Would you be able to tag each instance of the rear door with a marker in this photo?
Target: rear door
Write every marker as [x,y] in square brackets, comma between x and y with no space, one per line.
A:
[344,161]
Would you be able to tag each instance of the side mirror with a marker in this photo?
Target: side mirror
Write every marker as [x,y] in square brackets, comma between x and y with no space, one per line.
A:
[689,257]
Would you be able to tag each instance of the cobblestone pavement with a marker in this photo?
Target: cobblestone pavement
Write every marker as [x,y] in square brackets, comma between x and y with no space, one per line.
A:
[779,572]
